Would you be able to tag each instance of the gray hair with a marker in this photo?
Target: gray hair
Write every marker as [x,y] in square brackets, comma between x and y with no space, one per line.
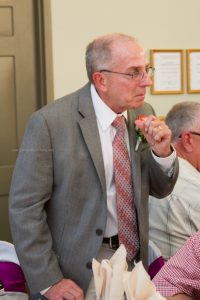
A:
[98,54]
[183,116]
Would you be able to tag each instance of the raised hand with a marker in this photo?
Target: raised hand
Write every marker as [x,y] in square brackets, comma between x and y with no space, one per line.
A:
[157,134]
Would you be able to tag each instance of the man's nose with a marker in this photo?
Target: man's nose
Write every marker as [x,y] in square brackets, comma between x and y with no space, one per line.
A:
[146,80]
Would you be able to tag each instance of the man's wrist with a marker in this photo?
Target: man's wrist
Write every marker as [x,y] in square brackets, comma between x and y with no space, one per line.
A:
[166,163]
[164,155]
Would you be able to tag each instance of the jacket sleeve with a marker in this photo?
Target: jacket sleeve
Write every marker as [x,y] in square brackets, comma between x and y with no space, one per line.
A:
[31,188]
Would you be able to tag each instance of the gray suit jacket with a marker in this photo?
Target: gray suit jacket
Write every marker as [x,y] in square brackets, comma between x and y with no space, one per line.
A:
[57,202]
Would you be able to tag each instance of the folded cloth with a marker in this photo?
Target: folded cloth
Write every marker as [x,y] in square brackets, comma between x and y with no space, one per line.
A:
[108,276]
[138,285]
[11,275]
[155,259]
[8,253]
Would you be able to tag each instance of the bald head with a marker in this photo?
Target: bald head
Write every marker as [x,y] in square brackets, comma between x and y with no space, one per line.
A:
[99,53]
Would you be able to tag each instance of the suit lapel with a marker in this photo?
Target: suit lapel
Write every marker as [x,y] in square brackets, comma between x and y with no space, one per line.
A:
[89,128]
[135,157]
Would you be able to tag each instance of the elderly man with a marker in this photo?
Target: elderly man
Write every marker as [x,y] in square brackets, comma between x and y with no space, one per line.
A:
[177,216]
[79,188]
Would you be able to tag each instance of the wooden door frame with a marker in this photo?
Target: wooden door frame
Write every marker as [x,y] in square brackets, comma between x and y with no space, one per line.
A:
[43,39]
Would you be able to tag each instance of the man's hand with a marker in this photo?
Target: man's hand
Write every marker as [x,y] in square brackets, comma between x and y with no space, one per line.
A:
[65,289]
[157,134]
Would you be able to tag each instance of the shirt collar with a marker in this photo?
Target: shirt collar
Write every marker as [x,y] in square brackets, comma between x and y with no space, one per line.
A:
[104,114]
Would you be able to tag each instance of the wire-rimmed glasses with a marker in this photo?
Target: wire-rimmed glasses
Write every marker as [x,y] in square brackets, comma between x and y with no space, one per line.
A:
[136,74]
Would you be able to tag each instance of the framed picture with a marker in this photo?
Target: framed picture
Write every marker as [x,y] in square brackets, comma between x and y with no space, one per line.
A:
[168,75]
[193,70]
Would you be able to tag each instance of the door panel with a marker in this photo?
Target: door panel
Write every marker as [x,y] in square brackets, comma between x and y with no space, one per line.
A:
[18,89]
[8,113]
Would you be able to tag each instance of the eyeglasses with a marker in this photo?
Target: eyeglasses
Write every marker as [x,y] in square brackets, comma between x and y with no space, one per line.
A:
[195,133]
[136,74]
[192,132]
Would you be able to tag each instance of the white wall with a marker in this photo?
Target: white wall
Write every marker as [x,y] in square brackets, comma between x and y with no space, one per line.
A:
[158,24]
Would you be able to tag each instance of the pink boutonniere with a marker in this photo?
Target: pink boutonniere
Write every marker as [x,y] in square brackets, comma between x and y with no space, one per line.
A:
[140,135]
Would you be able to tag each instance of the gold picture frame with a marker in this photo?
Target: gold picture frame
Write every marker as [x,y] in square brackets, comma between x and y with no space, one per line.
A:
[193,70]
[168,76]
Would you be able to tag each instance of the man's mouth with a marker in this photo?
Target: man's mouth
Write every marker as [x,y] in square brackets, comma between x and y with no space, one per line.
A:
[141,95]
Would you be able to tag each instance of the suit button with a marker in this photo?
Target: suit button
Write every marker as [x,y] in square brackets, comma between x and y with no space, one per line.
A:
[89,265]
[99,231]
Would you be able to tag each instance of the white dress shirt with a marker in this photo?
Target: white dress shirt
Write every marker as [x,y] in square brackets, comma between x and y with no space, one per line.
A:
[176,217]
[105,117]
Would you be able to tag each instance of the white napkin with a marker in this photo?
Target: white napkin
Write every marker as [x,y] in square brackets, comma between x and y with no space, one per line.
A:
[108,276]
[138,285]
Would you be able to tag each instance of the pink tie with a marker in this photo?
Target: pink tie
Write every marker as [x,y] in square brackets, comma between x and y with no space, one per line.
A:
[126,213]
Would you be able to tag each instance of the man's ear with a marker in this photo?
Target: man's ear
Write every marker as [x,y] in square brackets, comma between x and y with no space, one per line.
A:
[187,141]
[100,81]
